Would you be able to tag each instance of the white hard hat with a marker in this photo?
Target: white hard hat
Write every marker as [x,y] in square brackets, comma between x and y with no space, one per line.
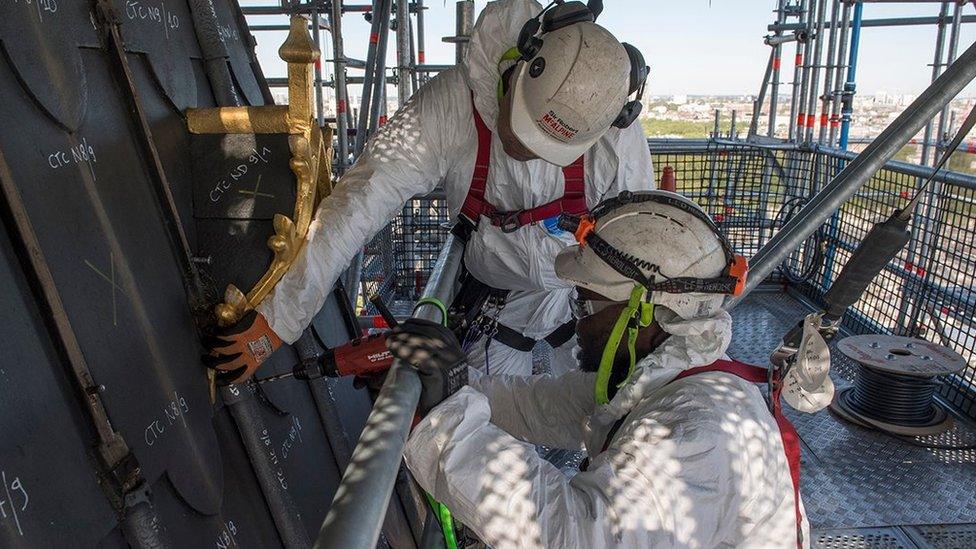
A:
[668,239]
[569,94]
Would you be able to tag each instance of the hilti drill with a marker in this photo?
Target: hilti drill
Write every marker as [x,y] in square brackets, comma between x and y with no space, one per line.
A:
[362,357]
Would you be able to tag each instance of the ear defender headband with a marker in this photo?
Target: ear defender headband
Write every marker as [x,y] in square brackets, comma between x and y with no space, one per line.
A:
[558,15]
[731,282]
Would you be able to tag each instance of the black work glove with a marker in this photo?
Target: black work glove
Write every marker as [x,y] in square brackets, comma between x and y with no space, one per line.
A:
[436,354]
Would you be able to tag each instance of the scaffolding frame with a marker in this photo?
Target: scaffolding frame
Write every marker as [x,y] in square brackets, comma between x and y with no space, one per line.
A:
[824,32]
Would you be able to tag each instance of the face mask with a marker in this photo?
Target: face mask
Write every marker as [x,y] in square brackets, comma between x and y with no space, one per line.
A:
[636,315]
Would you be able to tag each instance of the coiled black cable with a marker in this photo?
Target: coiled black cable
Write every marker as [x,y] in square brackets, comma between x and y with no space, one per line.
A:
[892,398]
[896,400]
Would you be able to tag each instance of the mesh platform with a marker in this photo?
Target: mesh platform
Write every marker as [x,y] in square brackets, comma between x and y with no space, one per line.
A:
[857,483]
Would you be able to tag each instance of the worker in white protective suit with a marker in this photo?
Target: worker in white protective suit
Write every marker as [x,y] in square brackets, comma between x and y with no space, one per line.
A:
[683,452]
[537,121]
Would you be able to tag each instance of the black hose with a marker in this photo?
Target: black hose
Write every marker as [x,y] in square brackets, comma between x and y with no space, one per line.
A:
[813,247]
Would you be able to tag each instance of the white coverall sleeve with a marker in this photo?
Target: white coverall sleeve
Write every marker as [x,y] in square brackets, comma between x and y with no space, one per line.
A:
[541,409]
[495,484]
[635,170]
[407,157]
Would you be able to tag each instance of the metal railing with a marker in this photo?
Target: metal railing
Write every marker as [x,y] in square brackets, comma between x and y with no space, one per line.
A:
[357,511]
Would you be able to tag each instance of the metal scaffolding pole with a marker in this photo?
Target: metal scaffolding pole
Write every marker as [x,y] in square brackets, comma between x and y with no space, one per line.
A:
[421,40]
[356,514]
[907,308]
[850,86]
[814,69]
[339,81]
[777,61]
[465,22]
[940,136]
[414,77]
[403,51]
[317,40]
[891,22]
[860,170]
[798,72]
[757,104]
[368,77]
[378,106]
[936,71]
[832,62]
[838,91]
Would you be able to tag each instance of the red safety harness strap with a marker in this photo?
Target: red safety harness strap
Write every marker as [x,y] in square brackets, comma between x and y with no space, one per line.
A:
[476,205]
[791,440]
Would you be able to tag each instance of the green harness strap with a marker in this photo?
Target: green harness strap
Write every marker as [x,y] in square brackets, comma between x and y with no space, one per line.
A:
[441,510]
[446,520]
[636,315]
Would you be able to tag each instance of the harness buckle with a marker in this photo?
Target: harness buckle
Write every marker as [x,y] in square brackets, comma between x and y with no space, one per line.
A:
[508,222]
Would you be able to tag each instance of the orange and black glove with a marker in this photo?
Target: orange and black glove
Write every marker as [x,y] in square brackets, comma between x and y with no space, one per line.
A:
[238,350]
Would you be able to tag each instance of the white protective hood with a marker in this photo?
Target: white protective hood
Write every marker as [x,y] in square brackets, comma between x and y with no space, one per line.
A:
[495,33]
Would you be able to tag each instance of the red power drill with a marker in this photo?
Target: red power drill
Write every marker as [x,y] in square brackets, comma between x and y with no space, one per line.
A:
[362,357]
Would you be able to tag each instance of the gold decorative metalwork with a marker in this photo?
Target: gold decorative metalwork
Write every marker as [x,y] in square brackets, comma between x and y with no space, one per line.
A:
[311,162]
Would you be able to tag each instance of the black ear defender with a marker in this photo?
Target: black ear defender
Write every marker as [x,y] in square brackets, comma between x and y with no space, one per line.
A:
[556,15]
[638,78]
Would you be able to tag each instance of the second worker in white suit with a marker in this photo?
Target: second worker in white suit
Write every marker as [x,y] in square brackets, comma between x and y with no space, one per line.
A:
[538,120]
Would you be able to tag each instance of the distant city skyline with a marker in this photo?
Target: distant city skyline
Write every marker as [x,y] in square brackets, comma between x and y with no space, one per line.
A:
[704,47]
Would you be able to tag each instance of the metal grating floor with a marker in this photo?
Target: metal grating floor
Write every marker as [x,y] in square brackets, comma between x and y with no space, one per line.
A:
[862,488]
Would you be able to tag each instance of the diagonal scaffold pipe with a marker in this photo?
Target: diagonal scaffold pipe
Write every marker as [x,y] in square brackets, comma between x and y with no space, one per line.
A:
[860,170]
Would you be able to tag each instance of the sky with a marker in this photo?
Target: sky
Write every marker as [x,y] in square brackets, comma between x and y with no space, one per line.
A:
[694,47]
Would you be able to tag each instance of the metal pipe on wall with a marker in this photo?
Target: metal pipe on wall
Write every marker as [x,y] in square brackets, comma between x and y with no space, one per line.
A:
[927,223]
[215,55]
[356,514]
[414,77]
[860,170]
[244,409]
